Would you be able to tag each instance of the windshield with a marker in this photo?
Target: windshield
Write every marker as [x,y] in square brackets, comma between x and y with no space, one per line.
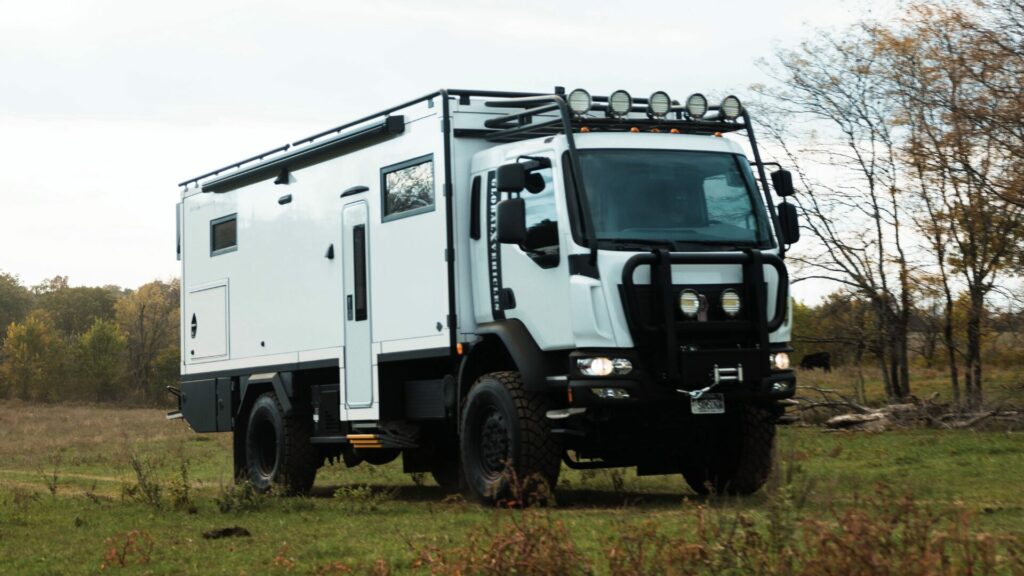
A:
[676,199]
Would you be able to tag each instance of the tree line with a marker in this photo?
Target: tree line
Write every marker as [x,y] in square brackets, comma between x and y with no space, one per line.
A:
[91,344]
[906,136]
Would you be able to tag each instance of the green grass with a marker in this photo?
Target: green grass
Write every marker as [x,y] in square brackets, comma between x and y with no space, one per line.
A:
[357,516]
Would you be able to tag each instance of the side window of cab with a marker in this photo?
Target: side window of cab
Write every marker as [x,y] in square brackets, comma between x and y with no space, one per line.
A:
[541,218]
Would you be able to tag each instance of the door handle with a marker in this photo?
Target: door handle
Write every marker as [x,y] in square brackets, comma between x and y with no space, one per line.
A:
[349,307]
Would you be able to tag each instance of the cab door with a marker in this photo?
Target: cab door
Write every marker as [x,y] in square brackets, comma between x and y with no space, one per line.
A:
[530,282]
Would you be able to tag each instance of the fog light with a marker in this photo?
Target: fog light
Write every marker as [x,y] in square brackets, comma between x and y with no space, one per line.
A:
[731,303]
[689,303]
[731,108]
[579,101]
[781,386]
[599,366]
[620,103]
[611,393]
[779,361]
[658,105]
[696,106]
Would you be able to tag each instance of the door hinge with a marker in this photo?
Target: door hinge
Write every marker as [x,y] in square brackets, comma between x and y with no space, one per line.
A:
[452,321]
[449,255]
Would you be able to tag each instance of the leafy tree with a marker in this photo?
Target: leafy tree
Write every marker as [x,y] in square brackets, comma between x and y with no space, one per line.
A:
[75,309]
[15,301]
[34,358]
[148,317]
[102,353]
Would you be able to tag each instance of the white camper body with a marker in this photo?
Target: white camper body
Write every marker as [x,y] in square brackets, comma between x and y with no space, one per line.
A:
[359,276]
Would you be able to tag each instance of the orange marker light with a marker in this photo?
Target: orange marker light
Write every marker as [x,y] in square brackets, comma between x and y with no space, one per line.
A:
[674,131]
[634,129]
[718,134]
[570,395]
[584,129]
[655,130]
[458,348]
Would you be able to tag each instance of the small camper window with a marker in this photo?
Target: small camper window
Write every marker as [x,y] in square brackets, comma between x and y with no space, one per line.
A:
[224,235]
[408,188]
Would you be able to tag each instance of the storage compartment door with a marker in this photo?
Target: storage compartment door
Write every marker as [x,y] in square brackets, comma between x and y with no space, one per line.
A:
[206,323]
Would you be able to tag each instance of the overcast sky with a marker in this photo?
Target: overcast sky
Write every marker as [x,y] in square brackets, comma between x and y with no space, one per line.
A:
[106,105]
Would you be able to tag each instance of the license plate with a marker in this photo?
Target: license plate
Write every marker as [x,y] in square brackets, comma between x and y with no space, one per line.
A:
[708,404]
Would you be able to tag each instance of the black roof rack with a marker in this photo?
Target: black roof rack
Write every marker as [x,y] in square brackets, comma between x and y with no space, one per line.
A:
[539,116]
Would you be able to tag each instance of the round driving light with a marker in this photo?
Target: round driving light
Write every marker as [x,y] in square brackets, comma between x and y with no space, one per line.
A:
[696,106]
[731,302]
[580,101]
[780,361]
[658,105]
[731,108]
[620,103]
[689,303]
[595,366]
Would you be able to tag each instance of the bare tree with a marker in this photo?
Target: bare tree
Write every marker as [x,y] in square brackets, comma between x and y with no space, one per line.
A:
[831,117]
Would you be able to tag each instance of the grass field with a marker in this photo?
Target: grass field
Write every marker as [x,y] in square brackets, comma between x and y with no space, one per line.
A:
[71,502]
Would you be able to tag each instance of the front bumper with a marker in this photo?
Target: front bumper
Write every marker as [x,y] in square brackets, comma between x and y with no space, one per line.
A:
[580,392]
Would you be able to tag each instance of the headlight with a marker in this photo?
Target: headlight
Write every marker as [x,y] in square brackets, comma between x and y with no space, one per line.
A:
[611,393]
[696,106]
[779,361]
[658,105]
[689,303]
[620,103]
[601,366]
[731,303]
[731,108]
[580,101]
[595,366]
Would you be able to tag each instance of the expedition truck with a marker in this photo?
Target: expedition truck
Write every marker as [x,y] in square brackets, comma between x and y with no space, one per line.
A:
[489,285]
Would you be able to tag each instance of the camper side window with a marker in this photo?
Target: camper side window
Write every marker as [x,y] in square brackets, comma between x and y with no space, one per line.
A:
[224,235]
[408,188]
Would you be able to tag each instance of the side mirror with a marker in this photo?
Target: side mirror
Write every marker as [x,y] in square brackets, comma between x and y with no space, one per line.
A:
[511,177]
[789,223]
[512,221]
[782,182]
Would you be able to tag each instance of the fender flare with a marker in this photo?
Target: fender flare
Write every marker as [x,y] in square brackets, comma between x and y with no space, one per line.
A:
[527,355]
[256,384]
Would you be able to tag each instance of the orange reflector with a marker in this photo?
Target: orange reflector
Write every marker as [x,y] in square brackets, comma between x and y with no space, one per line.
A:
[570,395]
[458,348]
[584,129]
[674,130]
[634,129]
[718,134]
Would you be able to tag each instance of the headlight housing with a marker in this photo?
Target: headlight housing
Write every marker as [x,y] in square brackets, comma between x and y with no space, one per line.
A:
[603,366]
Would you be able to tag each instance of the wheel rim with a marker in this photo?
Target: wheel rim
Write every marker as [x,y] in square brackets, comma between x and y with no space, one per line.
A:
[265,436]
[494,443]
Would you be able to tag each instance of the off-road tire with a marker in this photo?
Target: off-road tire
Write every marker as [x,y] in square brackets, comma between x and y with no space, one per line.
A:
[507,450]
[277,448]
[733,456]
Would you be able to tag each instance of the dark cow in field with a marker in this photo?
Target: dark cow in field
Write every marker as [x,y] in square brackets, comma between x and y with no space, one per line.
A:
[821,360]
